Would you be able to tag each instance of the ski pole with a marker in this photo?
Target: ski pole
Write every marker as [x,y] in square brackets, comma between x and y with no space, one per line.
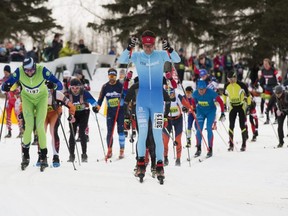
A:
[100,134]
[63,131]
[73,135]
[186,102]
[4,110]
[229,136]
[185,126]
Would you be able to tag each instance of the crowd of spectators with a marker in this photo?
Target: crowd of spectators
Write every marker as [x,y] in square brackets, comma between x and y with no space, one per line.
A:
[16,52]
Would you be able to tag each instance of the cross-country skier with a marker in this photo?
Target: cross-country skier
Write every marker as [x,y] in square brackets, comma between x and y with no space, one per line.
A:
[34,96]
[149,106]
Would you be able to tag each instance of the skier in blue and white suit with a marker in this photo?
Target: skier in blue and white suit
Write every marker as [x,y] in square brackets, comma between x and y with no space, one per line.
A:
[149,102]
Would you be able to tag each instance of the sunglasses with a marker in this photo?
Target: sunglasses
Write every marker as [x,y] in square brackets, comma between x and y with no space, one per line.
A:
[75,87]
[32,70]
[111,76]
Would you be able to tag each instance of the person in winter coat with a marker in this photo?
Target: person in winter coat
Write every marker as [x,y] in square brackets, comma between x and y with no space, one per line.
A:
[280,99]
[149,64]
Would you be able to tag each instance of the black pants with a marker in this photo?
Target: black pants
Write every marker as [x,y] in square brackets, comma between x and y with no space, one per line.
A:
[281,119]
[81,121]
[242,120]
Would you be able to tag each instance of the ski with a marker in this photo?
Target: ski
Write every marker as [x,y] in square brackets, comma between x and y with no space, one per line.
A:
[204,158]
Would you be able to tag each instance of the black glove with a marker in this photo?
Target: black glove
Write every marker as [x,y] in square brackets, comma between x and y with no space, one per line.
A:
[166,45]
[96,109]
[184,109]
[50,85]
[69,118]
[6,87]
[222,117]
[20,116]
[132,42]
[248,108]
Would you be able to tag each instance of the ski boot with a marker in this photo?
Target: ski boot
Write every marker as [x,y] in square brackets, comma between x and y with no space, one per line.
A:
[178,162]
[198,152]
[267,121]
[141,169]
[109,153]
[9,134]
[254,137]
[209,153]
[84,158]
[166,161]
[43,160]
[56,161]
[153,171]
[160,172]
[20,135]
[71,158]
[25,157]
[38,163]
[121,155]
[243,147]
[231,146]
[280,145]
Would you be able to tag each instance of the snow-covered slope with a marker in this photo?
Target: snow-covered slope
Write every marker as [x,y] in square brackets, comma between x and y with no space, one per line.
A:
[248,183]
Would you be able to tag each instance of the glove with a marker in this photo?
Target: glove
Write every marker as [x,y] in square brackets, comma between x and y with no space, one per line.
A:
[166,45]
[96,109]
[168,75]
[132,42]
[279,113]
[71,119]
[222,117]
[50,85]
[184,109]
[165,123]
[6,87]
[248,108]
[129,75]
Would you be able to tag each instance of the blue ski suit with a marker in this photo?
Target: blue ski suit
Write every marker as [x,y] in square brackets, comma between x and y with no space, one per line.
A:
[149,102]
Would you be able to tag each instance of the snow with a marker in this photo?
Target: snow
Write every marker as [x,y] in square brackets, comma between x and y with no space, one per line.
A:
[254,182]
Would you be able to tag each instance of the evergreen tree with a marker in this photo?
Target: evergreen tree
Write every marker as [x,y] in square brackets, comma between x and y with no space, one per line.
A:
[182,20]
[26,16]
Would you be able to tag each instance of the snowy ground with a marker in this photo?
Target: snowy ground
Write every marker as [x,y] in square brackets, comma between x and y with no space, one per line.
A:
[254,182]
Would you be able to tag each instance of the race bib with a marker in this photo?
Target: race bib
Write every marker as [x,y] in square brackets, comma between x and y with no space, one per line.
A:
[32,91]
[113,102]
[158,120]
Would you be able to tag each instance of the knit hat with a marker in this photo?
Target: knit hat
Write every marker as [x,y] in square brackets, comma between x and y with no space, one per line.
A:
[75,82]
[202,72]
[7,68]
[278,89]
[201,84]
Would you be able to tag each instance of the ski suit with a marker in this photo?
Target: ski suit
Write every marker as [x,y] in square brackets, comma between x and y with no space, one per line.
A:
[149,103]
[206,109]
[112,94]
[34,96]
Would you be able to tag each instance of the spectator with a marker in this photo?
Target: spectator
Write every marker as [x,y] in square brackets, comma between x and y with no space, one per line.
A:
[67,50]
[112,51]
[33,54]
[56,46]
[82,48]
[17,54]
